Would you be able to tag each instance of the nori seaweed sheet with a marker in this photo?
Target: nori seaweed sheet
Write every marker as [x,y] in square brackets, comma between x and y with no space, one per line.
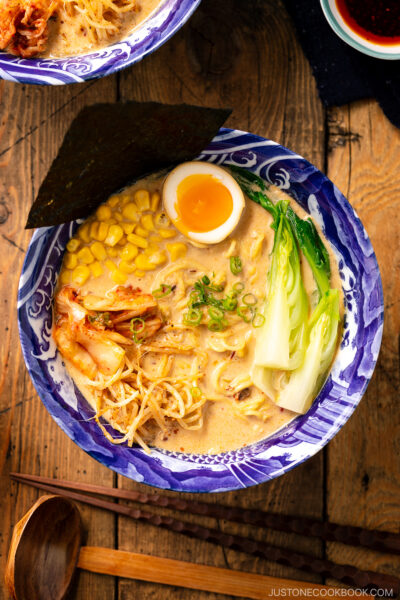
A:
[110,145]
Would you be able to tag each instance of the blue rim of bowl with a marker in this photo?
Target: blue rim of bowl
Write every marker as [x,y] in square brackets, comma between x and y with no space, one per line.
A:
[306,434]
[158,28]
[338,29]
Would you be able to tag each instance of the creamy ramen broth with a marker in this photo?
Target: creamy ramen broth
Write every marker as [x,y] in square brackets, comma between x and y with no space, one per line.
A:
[67,37]
[224,424]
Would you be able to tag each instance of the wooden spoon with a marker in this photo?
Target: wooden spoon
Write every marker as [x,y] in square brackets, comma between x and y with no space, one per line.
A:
[46,548]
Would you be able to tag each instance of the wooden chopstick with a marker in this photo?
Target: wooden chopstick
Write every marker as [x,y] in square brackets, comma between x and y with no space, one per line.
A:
[382,541]
[345,573]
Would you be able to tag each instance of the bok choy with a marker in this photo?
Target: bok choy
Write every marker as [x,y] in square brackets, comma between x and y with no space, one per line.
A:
[304,382]
[293,351]
[281,340]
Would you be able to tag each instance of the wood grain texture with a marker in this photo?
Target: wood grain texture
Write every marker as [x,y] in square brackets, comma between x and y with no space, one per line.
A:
[244,57]
[186,574]
[363,476]
[33,121]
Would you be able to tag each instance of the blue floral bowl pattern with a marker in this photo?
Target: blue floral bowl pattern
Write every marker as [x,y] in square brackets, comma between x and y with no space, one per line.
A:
[152,33]
[306,434]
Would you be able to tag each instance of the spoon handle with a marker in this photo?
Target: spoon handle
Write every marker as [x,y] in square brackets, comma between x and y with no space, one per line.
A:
[186,574]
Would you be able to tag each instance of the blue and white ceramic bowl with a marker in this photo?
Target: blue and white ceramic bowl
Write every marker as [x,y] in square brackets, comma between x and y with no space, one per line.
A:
[293,444]
[150,35]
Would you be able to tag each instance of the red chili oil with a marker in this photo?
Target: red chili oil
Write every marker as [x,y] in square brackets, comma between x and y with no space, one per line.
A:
[377,21]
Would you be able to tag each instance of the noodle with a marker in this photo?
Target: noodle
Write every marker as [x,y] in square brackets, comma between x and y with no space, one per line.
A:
[97,20]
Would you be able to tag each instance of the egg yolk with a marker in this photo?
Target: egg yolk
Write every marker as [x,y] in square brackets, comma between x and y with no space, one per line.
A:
[203,203]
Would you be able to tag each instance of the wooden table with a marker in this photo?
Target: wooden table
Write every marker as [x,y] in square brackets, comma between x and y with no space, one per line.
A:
[242,55]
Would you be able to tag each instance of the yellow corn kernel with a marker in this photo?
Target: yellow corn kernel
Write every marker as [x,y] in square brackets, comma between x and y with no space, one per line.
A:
[85,256]
[65,277]
[104,212]
[137,240]
[73,245]
[129,252]
[111,221]
[142,199]
[80,274]
[139,273]
[119,277]
[98,251]
[128,227]
[96,269]
[151,249]
[122,241]
[154,237]
[143,263]
[113,201]
[176,250]
[167,233]
[111,266]
[115,233]
[141,231]
[101,232]
[118,217]
[126,267]
[154,201]
[157,258]
[161,219]
[70,260]
[130,212]
[147,222]
[113,252]
[94,227]
[125,198]
[83,232]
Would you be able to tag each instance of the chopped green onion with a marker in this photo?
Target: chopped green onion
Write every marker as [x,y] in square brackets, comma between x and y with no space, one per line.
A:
[206,280]
[258,320]
[135,330]
[193,317]
[229,303]
[214,325]
[236,265]
[245,312]
[162,291]
[249,300]
[195,392]
[238,287]
[215,313]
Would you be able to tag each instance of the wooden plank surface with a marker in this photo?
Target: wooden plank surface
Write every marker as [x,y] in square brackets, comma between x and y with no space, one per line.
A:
[33,123]
[363,466]
[245,56]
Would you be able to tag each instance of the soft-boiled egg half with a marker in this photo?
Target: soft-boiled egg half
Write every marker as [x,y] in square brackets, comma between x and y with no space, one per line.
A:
[203,201]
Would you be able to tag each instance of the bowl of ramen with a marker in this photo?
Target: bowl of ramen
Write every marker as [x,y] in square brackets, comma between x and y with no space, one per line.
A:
[56,42]
[208,328]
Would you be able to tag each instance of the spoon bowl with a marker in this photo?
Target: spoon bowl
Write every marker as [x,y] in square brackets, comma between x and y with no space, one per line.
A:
[44,550]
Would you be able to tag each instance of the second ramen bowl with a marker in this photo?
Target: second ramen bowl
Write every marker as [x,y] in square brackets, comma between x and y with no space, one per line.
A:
[294,443]
[162,24]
